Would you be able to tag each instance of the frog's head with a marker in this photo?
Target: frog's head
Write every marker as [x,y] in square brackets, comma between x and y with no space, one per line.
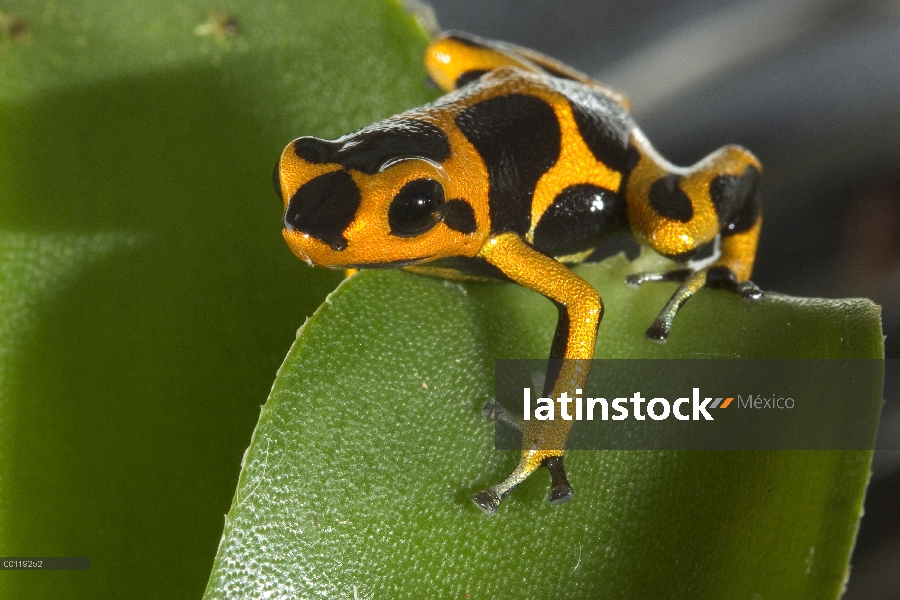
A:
[381,196]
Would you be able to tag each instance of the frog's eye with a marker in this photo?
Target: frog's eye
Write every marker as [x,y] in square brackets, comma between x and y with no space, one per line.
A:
[416,208]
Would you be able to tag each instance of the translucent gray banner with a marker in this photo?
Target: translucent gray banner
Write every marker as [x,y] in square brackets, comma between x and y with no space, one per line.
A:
[665,404]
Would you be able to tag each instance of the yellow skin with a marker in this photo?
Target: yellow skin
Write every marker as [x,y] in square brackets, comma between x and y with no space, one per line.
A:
[460,180]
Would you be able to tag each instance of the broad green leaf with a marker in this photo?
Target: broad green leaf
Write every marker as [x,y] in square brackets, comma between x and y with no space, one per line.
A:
[146,296]
[358,479]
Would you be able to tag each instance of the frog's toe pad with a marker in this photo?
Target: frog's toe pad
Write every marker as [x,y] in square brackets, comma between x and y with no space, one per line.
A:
[723,278]
[560,490]
[488,501]
[560,494]
[657,333]
[634,280]
[749,292]
[497,412]
[490,409]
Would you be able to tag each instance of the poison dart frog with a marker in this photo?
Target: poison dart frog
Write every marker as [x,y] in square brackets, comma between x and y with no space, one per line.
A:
[520,170]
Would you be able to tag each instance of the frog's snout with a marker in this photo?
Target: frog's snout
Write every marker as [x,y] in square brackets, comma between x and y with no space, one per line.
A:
[323,208]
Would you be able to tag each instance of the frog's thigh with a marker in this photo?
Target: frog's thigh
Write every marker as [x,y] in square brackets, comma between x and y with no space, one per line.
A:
[580,306]
[580,311]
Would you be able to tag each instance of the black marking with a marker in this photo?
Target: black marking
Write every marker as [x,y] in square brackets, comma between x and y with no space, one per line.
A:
[368,149]
[467,39]
[391,264]
[667,199]
[721,277]
[578,218]
[745,218]
[276,180]
[604,126]
[324,207]
[615,244]
[460,217]
[736,200]
[468,77]
[518,136]
[705,251]
[313,150]
[475,267]
[558,347]
[682,257]
[416,208]
[729,192]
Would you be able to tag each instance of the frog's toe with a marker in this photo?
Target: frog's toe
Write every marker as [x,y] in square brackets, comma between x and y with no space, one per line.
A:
[750,292]
[658,332]
[497,412]
[490,408]
[722,277]
[636,279]
[561,494]
[488,501]
[560,489]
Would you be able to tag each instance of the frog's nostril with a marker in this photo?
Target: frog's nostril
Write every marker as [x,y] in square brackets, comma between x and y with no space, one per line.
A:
[324,207]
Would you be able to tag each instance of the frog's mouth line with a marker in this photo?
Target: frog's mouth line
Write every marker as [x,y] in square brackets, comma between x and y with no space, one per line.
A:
[387,265]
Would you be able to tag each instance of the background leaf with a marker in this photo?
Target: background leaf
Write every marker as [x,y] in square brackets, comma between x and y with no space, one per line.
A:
[358,479]
[146,296]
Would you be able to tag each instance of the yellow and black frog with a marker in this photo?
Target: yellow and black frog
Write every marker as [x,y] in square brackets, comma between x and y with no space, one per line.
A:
[520,170]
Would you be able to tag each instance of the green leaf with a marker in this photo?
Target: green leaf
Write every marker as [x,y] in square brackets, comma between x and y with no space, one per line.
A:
[358,480]
[146,295]
[146,298]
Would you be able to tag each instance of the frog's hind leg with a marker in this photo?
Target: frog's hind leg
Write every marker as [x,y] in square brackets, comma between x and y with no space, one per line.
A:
[724,206]
[561,491]
[580,312]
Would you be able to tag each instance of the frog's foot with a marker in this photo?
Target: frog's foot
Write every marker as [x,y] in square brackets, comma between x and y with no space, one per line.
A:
[531,460]
[560,490]
[714,276]
[497,412]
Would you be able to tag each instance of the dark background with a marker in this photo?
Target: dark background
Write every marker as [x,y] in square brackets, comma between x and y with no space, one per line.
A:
[812,87]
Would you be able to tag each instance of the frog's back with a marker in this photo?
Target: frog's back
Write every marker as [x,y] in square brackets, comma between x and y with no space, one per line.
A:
[553,150]
[574,217]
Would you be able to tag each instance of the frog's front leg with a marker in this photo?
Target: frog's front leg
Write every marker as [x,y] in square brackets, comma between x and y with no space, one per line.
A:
[722,273]
[580,312]
[678,213]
